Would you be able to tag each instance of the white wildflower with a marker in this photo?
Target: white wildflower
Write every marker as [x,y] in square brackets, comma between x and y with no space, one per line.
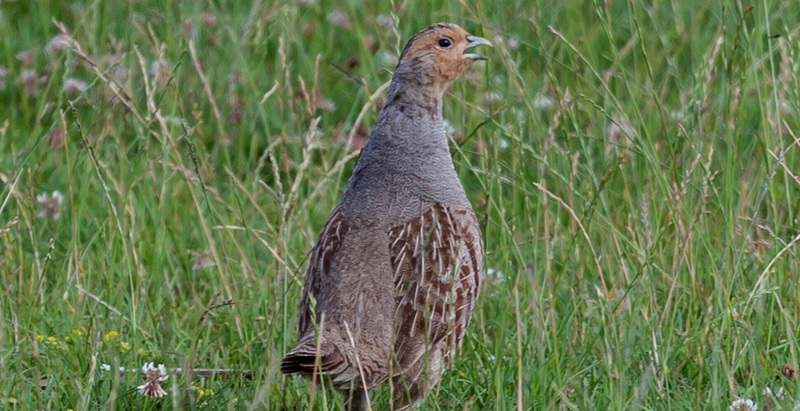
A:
[153,376]
[174,120]
[498,275]
[492,97]
[678,115]
[50,205]
[326,105]
[384,20]
[159,68]
[386,59]
[105,367]
[777,394]
[541,102]
[742,404]
[521,115]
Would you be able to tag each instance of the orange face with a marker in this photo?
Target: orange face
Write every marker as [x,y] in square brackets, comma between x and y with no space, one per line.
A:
[441,51]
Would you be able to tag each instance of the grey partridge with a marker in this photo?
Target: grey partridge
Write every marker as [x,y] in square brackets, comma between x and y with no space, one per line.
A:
[394,277]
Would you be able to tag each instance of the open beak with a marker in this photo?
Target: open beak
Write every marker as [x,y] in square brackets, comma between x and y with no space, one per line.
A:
[476,41]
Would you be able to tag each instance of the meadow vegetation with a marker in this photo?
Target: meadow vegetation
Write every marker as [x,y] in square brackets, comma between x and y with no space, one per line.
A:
[165,168]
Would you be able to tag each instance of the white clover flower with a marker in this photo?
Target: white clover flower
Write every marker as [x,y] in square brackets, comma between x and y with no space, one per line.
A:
[678,115]
[174,120]
[742,404]
[498,275]
[492,97]
[153,377]
[386,59]
[326,105]
[777,393]
[541,102]
[50,204]
[521,115]
[385,21]
[159,69]
[105,367]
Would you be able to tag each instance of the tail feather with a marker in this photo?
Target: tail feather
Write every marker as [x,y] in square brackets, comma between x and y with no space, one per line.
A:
[307,359]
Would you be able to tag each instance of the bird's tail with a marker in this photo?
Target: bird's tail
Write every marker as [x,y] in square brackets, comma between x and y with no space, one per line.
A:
[309,358]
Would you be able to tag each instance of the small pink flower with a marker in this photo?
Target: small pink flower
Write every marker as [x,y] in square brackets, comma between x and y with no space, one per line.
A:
[208,20]
[74,86]
[58,44]
[340,19]
[202,261]
[153,376]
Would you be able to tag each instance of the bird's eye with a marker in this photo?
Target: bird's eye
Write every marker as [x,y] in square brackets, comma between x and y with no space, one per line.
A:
[445,42]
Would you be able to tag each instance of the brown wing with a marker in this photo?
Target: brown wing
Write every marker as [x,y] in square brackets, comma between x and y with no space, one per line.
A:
[330,240]
[437,260]
[305,357]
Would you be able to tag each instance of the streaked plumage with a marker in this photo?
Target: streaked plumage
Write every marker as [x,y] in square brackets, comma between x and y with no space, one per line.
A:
[394,277]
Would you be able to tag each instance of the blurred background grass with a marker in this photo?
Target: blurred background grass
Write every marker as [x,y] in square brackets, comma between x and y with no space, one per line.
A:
[166,167]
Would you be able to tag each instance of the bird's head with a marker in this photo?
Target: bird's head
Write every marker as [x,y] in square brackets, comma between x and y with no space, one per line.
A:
[438,55]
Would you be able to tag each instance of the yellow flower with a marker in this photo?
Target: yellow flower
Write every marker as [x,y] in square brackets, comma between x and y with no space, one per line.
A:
[110,335]
[124,346]
[199,391]
[40,338]
[78,332]
[51,339]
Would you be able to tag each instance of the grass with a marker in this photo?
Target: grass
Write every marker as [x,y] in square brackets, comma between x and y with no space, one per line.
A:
[635,166]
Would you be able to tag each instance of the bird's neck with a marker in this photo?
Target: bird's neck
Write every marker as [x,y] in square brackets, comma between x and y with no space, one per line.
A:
[415,89]
[407,158]
[409,135]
